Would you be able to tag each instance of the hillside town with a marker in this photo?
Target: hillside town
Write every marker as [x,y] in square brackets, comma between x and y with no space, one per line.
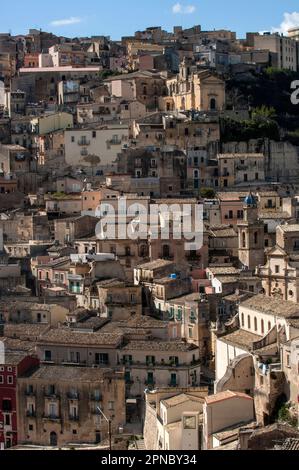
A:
[116,332]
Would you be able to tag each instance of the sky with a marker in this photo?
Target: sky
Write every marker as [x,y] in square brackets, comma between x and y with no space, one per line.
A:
[118,18]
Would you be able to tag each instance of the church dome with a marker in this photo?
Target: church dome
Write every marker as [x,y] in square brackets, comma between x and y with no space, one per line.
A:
[250,200]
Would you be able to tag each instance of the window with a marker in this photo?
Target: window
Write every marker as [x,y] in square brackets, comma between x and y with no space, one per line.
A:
[244,240]
[255,324]
[255,238]
[72,139]
[30,427]
[173,380]
[110,405]
[277,269]
[212,104]
[174,360]
[6,405]
[288,360]
[269,326]
[242,319]
[263,327]
[52,410]
[94,134]
[150,360]
[7,420]
[150,378]
[249,322]
[189,422]
[102,358]
[190,332]
[10,379]
[48,356]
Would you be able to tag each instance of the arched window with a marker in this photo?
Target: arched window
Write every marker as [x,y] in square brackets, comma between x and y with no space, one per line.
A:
[249,322]
[212,104]
[242,319]
[269,326]
[145,90]
[256,238]
[244,240]
[255,324]
[263,327]
[53,439]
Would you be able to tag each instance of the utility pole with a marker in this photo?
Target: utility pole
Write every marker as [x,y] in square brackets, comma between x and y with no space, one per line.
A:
[109,427]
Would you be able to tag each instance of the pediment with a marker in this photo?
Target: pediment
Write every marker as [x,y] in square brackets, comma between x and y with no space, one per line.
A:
[276,251]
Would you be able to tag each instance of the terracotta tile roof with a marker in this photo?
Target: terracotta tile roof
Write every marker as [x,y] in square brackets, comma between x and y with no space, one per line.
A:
[227,395]
[158,345]
[156,264]
[67,336]
[272,306]
[243,339]
[70,374]
[179,399]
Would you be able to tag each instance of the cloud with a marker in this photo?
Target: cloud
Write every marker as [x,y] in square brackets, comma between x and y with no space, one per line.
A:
[290,20]
[66,21]
[178,8]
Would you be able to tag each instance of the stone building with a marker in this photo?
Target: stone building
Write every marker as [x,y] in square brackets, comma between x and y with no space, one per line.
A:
[173,418]
[251,236]
[59,405]
[196,89]
[280,274]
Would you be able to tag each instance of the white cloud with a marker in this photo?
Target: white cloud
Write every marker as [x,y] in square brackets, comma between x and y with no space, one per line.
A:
[290,20]
[178,8]
[66,21]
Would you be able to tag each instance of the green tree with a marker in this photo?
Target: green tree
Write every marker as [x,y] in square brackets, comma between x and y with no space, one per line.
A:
[93,160]
[207,193]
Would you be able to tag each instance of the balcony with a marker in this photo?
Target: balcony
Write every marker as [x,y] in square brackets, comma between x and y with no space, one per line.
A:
[150,383]
[73,396]
[96,398]
[75,277]
[74,362]
[151,365]
[53,418]
[74,418]
[130,382]
[173,384]
[83,142]
[114,142]
[51,395]
[127,362]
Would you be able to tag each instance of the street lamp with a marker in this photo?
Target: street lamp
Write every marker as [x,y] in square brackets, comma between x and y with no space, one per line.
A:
[109,426]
